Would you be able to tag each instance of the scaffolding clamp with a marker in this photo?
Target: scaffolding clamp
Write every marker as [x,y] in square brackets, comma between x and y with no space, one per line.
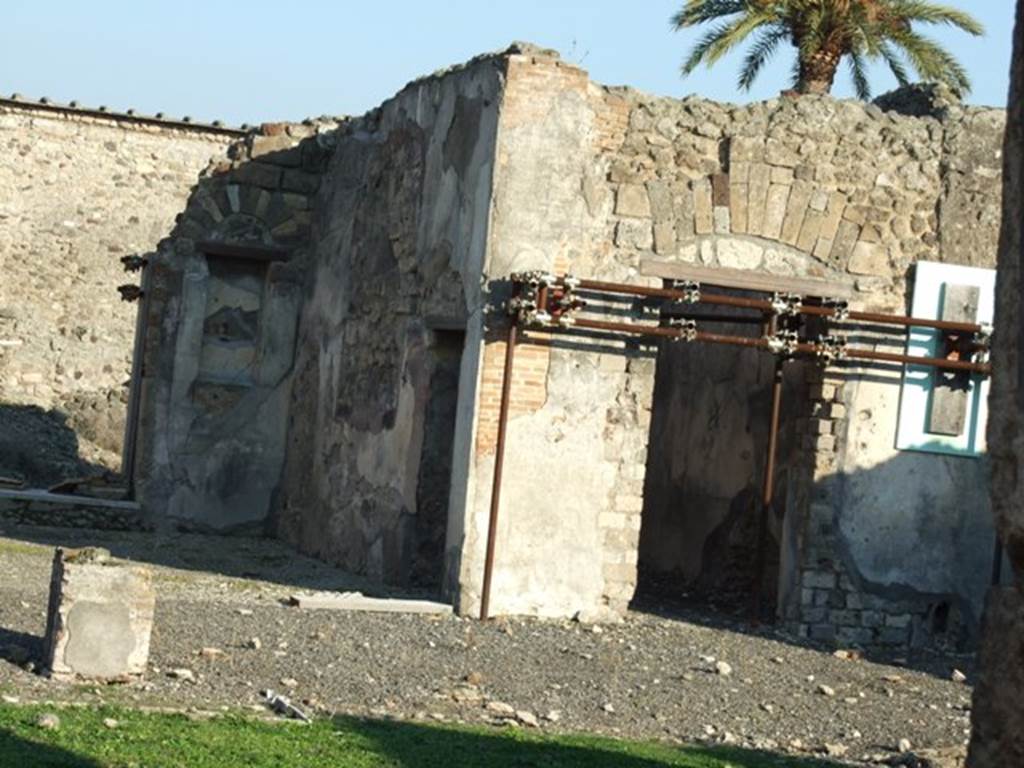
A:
[784,343]
[687,329]
[129,292]
[690,290]
[828,349]
[840,308]
[134,263]
[786,304]
[983,343]
[534,278]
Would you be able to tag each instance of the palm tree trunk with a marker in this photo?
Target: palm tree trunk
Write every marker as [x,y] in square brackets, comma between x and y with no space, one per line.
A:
[818,71]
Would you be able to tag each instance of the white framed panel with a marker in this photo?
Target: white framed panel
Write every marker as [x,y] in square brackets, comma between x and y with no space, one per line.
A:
[912,432]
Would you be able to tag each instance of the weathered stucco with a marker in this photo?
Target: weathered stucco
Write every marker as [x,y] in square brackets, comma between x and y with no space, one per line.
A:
[219,333]
[397,262]
[402,228]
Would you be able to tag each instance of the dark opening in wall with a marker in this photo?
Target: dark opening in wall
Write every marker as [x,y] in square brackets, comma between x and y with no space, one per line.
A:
[705,469]
[435,470]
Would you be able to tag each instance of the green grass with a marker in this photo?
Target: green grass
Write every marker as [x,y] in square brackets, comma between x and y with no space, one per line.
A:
[173,741]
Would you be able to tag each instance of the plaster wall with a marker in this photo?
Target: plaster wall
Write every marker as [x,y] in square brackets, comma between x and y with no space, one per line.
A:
[811,187]
[218,334]
[77,192]
[399,253]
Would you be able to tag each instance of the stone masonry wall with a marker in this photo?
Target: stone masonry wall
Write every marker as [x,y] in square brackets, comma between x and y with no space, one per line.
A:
[399,247]
[809,187]
[219,333]
[78,191]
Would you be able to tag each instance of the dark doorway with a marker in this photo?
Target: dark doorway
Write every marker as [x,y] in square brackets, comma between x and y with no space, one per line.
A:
[435,470]
[701,523]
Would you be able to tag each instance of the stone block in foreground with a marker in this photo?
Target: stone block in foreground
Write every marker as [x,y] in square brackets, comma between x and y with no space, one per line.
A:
[100,617]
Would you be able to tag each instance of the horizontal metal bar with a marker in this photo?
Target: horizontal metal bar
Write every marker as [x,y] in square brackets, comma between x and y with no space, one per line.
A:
[766,306]
[803,348]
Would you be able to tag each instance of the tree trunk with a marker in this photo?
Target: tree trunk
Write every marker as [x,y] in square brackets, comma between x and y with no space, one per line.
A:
[818,71]
[997,738]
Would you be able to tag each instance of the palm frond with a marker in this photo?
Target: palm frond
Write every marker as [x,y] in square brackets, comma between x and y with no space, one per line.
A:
[895,63]
[700,11]
[763,49]
[932,61]
[935,13]
[722,39]
[858,71]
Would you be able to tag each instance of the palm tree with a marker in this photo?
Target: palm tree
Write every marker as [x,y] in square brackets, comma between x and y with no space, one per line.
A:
[823,33]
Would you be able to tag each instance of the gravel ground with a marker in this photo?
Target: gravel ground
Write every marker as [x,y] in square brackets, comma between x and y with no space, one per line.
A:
[652,676]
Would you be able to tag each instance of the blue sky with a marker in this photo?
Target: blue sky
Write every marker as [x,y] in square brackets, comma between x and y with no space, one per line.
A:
[259,60]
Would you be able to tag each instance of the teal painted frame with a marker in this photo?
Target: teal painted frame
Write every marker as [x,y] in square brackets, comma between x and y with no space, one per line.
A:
[930,279]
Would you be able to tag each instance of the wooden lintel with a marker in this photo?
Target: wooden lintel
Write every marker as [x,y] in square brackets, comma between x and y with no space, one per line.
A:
[747,280]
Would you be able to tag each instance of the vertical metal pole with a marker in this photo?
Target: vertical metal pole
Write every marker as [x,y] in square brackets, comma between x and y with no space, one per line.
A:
[767,489]
[499,463]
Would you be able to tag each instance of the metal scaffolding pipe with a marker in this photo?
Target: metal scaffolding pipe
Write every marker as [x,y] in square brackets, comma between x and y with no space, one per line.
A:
[765,305]
[802,348]
[499,464]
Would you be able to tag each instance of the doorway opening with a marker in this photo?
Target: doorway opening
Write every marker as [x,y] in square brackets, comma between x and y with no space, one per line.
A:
[704,542]
[434,478]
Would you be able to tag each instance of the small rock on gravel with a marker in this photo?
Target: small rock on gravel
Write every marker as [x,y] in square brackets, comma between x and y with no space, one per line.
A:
[527,718]
[254,643]
[723,668]
[185,675]
[7,699]
[608,708]
[501,709]
[836,750]
[825,690]
[958,676]
[553,716]
[48,721]
[904,745]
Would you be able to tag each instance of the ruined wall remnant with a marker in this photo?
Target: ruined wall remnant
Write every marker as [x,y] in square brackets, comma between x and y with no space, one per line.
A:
[381,408]
[997,715]
[346,392]
[100,617]
[78,190]
[219,316]
[811,187]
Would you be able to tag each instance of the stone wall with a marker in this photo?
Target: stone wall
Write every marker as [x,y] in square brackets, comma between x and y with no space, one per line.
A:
[221,298]
[338,423]
[811,187]
[393,301]
[78,191]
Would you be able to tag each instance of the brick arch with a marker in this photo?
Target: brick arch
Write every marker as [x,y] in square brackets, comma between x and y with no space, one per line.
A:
[261,197]
[763,196]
